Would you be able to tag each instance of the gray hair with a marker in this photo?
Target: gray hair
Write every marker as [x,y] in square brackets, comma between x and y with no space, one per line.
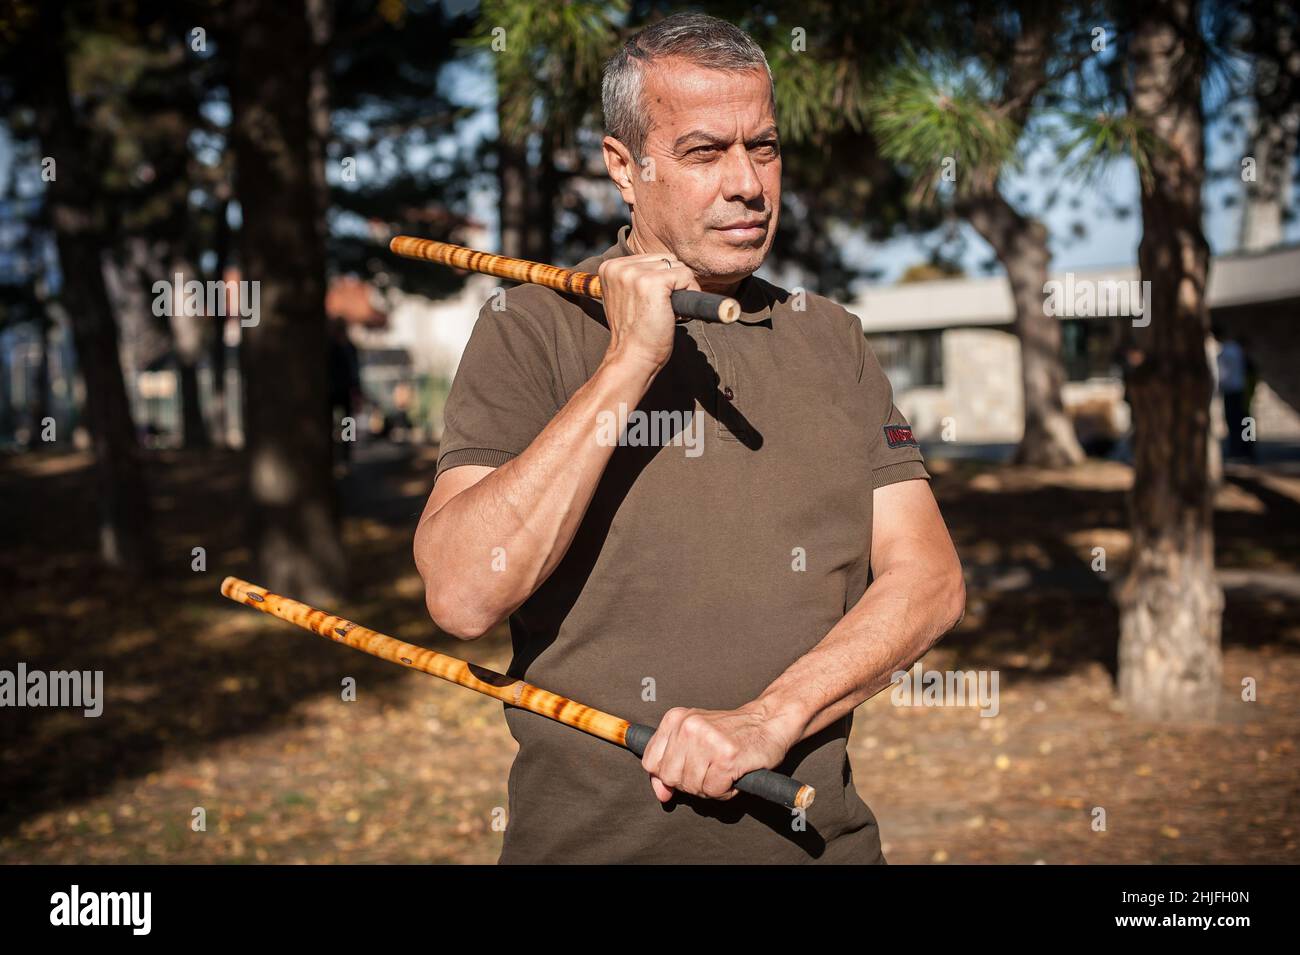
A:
[696,37]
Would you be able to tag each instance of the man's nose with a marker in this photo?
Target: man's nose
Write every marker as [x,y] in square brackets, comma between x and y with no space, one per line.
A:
[740,179]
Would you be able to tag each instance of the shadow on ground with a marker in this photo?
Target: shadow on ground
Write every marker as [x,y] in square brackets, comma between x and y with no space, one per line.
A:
[208,701]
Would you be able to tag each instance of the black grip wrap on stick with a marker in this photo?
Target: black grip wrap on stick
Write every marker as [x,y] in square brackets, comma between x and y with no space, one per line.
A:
[705,306]
[763,783]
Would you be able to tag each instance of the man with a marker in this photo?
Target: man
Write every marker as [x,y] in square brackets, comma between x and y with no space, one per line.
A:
[1233,372]
[709,577]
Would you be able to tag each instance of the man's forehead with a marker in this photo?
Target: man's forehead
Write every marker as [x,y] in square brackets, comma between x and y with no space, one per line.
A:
[679,94]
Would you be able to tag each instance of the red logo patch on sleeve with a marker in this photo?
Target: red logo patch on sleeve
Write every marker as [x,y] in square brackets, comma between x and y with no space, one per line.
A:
[899,436]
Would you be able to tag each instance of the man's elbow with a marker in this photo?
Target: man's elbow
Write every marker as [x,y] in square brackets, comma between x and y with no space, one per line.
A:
[455,617]
[450,612]
[954,599]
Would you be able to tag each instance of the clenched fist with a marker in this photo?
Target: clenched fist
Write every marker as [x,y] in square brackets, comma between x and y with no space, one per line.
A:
[636,293]
[703,752]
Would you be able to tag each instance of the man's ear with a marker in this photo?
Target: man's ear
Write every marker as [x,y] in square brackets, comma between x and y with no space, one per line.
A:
[621,166]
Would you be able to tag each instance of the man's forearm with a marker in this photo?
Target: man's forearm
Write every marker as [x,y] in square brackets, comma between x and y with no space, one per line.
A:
[488,548]
[903,613]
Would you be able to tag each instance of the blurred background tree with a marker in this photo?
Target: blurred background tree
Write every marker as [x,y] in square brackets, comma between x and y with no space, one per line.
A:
[950,108]
[286,144]
[546,60]
[37,59]
[1148,106]
[278,132]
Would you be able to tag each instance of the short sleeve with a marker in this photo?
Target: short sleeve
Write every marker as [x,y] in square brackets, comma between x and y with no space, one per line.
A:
[894,451]
[503,395]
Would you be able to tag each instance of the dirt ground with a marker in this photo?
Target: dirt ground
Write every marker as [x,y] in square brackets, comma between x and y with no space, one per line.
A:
[210,706]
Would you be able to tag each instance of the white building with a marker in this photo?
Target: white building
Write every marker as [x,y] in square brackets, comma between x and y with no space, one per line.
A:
[948,348]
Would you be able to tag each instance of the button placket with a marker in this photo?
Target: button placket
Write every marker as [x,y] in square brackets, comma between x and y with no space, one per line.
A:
[726,390]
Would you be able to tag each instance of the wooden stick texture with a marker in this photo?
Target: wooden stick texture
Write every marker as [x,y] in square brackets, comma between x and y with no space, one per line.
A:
[502,266]
[761,782]
[477,678]
[687,302]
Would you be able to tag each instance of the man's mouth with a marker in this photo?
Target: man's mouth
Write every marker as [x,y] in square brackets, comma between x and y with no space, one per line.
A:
[744,229]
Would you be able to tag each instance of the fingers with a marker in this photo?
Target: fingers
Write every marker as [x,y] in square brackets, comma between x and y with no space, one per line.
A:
[658,283]
[652,759]
[654,751]
[688,753]
[647,271]
[618,268]
[636,291]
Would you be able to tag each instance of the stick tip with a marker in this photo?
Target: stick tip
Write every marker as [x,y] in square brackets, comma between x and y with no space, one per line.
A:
[728,311]
[236,589]
[804,798]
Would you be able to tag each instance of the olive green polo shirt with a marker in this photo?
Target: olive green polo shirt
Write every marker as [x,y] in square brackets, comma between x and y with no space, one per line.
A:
[721,545]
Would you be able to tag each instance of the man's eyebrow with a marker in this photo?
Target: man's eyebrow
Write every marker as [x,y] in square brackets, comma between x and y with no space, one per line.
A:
[700,137]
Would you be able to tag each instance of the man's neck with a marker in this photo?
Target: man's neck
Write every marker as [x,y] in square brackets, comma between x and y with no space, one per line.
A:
[640,247]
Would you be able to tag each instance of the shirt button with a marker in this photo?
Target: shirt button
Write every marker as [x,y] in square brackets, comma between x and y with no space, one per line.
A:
[728,393]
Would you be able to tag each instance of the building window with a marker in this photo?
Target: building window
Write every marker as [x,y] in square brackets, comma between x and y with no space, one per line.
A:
[910,359]
[1088,347]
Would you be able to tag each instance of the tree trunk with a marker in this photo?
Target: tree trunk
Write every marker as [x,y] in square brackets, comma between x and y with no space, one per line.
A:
[1170,602]
[217,332]
[1274,135]
[44,325]
[542,198]
[1273,147]
[41,402]
[187,345]
[512,191]
[125,534]
[6,404]
[278,152]
[1021,245]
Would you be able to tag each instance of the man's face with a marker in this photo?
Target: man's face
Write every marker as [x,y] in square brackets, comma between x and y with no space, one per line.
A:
[708,187]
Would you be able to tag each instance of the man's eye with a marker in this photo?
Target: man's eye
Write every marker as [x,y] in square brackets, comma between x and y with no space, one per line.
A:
[767,149]
[704,152]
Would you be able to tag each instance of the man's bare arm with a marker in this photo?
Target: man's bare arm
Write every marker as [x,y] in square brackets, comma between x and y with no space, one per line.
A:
[917,596]
[488,538]
[529,508]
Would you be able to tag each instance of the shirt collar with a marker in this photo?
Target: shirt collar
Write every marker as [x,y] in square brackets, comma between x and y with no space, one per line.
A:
[754,305]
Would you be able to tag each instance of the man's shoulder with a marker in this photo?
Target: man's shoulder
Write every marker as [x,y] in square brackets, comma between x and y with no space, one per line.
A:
[592,263]
[540,310]
[811,308]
